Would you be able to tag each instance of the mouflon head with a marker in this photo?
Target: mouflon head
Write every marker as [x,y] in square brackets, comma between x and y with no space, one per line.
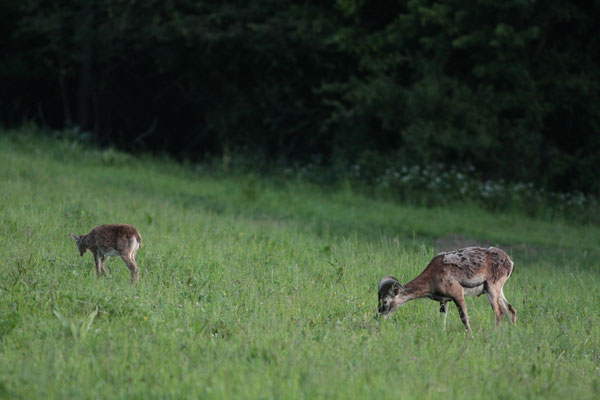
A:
[388,288]
[80,246]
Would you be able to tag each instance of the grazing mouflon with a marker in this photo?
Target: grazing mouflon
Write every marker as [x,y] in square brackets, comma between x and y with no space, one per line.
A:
[471,271]
[111,240]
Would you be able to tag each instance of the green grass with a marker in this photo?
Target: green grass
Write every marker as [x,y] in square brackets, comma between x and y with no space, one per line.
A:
[258,289]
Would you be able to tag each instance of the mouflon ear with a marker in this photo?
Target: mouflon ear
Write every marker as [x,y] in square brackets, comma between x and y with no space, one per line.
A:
[75,237]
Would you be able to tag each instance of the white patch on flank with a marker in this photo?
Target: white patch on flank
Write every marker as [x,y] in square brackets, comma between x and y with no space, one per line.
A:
[475,291]
[108,253]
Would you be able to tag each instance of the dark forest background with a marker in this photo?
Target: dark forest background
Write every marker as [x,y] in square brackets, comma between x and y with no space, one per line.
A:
[510,89]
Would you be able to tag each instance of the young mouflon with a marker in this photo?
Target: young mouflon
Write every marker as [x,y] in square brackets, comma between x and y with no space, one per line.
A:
[111,240]
[471,271]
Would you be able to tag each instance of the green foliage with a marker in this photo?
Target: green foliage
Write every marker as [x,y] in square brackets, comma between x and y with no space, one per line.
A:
[464,82]
[267,289]
[78,329]
[509,87]
[8,322]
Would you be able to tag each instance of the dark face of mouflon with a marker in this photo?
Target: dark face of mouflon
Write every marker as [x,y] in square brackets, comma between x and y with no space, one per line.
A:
[80,245]
[389,287]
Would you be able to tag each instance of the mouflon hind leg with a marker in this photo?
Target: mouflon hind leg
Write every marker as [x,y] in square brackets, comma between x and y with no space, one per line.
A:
[132,267]
[509,310]
[493,296]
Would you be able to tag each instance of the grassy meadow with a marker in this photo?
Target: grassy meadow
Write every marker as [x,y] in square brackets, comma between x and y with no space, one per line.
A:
[257,288]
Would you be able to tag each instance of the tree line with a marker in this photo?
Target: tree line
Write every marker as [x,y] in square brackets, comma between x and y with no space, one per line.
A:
[509,88]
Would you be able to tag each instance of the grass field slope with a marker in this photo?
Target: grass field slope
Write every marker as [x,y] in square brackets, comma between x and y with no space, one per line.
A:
[255,288]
